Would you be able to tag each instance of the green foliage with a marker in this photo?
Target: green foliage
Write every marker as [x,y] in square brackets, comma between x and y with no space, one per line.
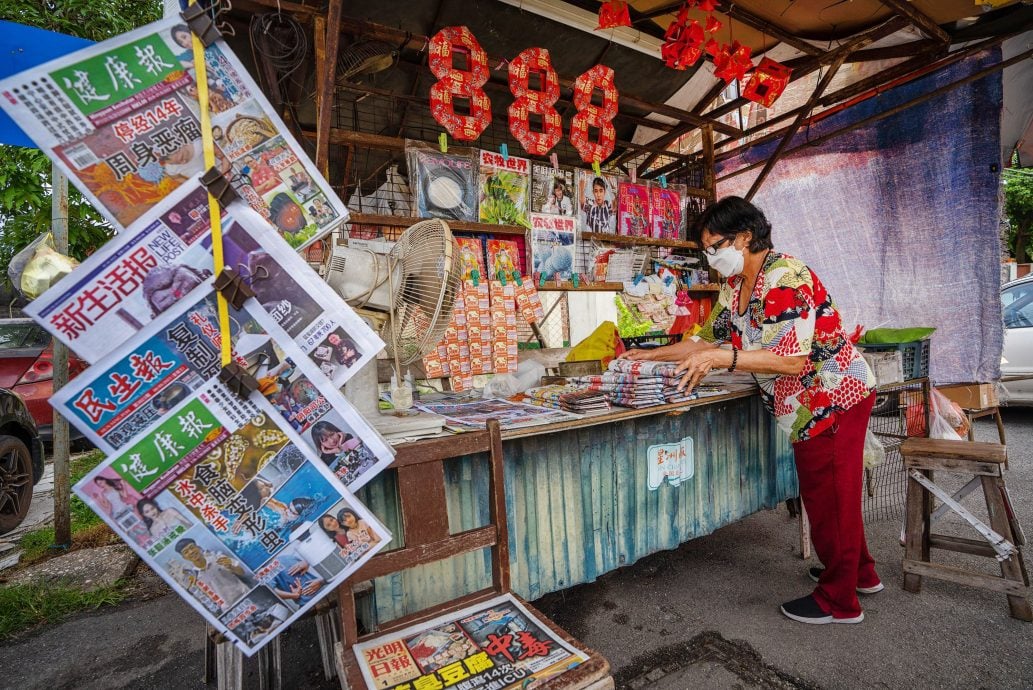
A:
[498,205]
[25,173]
[1018,205]
[28,605]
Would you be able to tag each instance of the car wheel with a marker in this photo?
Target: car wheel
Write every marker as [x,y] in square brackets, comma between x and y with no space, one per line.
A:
[15,482]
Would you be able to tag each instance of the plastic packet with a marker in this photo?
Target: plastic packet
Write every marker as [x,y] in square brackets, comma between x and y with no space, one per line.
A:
[874,453]
[946,419]
[38,266]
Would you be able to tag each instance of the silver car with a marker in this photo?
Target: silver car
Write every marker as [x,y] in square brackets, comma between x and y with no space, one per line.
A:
[1017,358]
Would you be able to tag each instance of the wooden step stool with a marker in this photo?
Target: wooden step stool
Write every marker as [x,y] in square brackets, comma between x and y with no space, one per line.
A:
[1002,538]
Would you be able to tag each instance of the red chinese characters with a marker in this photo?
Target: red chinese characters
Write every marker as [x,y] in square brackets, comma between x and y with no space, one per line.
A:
[614,13]
[539,102]
[453,83]
[591,115]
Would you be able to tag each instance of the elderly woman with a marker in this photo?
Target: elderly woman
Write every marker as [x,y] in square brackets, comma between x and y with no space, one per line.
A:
[783,327]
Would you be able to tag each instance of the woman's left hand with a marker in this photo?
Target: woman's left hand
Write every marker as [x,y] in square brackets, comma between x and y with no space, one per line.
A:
[695,367]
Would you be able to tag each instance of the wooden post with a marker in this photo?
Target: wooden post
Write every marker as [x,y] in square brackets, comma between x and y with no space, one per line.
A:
[62,479]
[328,36]
[708,163]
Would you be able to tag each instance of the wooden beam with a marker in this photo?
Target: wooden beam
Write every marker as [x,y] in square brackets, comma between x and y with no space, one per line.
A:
[326,76]
[893,111]
[708,163]
[918,18]
[818,90]
[766,27]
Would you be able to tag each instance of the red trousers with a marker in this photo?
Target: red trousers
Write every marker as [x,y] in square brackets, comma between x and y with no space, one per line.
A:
[830,468]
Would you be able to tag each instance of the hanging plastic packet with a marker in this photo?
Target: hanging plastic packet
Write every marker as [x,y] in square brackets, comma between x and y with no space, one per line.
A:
[503,327]
[476,302]
[38,266]
[528,301]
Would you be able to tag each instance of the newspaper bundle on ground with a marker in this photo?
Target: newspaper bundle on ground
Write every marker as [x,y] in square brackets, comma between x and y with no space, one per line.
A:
[220,498]
[121,118]
[143,271]
[178,353]
[491,646]
[473,415]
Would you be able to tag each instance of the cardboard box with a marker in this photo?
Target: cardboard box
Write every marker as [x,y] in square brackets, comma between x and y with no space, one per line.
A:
[971,396]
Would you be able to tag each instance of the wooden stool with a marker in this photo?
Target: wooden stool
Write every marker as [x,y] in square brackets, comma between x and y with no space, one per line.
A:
[1002,538]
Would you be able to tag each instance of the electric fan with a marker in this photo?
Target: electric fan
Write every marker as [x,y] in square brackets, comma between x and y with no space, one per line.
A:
[365,57]
[413,289]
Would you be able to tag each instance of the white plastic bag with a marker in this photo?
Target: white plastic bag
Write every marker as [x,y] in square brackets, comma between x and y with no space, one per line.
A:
[944,418]
[874,453]
[38,266]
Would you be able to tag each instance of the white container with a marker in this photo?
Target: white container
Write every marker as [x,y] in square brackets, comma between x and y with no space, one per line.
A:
[888,367]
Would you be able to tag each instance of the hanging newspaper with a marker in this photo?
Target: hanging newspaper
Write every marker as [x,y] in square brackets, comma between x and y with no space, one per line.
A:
[121,118]
[178,354]
[245,523]
[491,646]
[142,272]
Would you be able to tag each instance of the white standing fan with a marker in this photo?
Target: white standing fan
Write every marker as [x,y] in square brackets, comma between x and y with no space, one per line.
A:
[414,286]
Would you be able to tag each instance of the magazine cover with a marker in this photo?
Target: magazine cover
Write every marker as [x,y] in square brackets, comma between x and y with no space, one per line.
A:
[552,190]
[553,246]
[504,187]
[596,202]
[471,255]
[496,645]
[121,119]
[665,212]
[633,209]
[504,255]
[444,185]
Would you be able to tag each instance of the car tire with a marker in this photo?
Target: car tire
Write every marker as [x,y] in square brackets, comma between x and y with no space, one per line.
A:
[15,482]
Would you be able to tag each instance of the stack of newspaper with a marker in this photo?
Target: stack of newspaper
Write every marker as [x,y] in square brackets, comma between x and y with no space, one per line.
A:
[572,398]
[639,384]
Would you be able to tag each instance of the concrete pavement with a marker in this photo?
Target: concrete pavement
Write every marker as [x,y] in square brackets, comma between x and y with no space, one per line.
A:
[703,615]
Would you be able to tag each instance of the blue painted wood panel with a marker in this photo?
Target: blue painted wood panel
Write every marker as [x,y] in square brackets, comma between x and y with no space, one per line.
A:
[579,506]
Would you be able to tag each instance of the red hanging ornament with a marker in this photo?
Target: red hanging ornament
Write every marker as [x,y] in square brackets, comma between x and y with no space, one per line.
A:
[613,14]
[683,41]
[528,101]
[712,47]
[707,5]
[713,24]
[590,115]
[767,82]
[454,83]
[732,62]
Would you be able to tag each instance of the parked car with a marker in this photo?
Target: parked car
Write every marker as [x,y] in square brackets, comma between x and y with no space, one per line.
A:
[26,367]
[1017,358]
[21,460]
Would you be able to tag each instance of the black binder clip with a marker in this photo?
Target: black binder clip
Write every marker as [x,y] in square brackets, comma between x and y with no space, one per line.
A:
[233,287]
[219,187]
[239,380]
[201,24]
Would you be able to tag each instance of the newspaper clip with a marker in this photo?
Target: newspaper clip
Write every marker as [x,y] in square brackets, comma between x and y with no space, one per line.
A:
[516,278]
[504,150]
[201,24]
[475,276]
[238,379]
[218,186]
[555,160]
[443,142]
[596,169]
[663,181]
[502,277]
[575,279]
[633,173]
[233,287]
[541,280]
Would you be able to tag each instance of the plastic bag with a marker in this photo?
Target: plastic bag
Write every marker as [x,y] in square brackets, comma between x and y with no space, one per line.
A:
[947,419]
[38,266]
[874,453]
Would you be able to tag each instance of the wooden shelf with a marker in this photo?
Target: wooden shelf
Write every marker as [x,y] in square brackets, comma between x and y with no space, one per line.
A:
[703,288]
[566,285]
[639,241]
[455,225]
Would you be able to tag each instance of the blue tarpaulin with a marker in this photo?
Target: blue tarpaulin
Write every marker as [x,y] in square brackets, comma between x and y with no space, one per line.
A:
[25,47]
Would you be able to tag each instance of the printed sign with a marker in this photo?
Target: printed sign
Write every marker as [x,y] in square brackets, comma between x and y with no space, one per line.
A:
[674,462]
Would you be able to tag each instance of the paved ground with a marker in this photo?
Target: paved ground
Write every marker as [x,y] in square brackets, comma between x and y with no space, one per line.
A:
[703,615]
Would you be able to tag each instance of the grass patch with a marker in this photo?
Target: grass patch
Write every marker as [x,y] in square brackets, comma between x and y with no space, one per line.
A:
[25,606]
[88,530]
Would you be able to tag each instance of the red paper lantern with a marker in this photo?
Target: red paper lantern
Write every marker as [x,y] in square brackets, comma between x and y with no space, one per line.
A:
[732,62]
[528,101]
[708,5]
[613,14]
[713,24]
[589,115]
[683,42]
[767,83]
[454,83]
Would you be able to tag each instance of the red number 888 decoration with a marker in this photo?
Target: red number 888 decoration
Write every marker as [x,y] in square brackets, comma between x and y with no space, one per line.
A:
[529,101]
[590,115]
[454,82]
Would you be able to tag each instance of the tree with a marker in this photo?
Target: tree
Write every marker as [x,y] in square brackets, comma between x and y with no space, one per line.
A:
[1018,206]
[25,173]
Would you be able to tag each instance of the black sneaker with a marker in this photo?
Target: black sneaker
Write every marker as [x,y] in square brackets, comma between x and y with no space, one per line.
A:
[806,610]
[815,573]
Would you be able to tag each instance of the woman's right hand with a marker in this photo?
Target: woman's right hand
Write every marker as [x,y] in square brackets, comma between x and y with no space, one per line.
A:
[638,354]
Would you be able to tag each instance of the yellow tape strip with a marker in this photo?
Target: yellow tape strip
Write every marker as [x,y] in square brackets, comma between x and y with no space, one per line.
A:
[214,211]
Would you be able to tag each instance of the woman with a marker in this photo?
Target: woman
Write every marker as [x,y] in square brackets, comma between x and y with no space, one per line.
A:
[334,530]
[159,522]
[784,328]
[112,495]
[356,529]
[332,442]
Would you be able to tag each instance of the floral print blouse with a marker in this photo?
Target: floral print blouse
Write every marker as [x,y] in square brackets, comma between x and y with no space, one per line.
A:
[790,313]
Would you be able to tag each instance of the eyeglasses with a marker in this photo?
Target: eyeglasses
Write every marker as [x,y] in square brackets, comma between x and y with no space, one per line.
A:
[712,249]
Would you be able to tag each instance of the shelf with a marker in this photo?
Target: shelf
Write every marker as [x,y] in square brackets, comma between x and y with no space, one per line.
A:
[639,241]
[703,288]
[566,285]
[455,225]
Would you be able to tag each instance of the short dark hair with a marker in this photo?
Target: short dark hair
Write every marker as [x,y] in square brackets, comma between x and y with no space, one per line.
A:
[733,215]
[184,543]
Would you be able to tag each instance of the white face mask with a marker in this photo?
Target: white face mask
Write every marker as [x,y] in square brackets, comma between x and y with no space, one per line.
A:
[728,261]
